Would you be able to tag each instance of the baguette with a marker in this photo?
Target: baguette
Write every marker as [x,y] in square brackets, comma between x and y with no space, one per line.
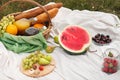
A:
[44,17]
[37,11]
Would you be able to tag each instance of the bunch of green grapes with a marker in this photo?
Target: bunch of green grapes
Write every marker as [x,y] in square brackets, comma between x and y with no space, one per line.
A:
[36,58]
[5,21]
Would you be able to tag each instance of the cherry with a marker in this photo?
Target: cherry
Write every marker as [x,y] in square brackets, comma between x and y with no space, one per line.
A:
[41,68]
[101,38]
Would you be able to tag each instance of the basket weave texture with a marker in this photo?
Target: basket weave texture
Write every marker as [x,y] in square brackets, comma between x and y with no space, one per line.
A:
[19,44]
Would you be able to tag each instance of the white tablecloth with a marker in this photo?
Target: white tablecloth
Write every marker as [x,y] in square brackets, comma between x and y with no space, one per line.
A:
[70,67]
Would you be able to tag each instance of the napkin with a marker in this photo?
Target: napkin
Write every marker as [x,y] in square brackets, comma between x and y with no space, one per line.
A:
[19,44]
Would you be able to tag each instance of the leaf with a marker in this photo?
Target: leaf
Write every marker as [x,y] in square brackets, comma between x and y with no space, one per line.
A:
[110,54]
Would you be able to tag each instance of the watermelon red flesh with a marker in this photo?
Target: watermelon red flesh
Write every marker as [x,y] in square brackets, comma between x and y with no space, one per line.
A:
[74,38]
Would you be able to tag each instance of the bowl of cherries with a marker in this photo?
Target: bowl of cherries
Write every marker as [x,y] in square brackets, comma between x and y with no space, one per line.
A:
[111,61]
[101,39]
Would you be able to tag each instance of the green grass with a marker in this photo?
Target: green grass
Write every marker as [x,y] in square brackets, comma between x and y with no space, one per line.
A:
[109,6]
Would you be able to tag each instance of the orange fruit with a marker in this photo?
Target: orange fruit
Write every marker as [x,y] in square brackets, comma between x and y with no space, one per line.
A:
[39,26]
[12,29]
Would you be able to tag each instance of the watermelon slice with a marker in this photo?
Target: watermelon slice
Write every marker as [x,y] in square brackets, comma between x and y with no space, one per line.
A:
[74,39]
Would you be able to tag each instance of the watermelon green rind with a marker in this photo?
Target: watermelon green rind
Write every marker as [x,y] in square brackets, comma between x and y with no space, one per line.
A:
[71,53]
[84,48]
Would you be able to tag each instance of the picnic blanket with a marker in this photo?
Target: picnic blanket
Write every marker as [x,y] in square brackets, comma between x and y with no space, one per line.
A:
[70,67]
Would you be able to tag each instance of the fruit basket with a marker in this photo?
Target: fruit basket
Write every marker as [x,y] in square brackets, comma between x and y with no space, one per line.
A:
[33,39]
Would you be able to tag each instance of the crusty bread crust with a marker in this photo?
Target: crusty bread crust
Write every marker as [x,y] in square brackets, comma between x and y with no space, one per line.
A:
[34,12]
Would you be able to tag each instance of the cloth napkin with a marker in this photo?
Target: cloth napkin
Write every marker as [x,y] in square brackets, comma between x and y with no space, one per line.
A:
[19,44]
[70,67]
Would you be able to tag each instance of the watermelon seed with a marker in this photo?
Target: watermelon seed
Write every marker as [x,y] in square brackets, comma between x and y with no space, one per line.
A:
[72,30]
[64,38]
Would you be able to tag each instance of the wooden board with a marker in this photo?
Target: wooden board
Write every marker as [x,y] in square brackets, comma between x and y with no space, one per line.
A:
[37,73]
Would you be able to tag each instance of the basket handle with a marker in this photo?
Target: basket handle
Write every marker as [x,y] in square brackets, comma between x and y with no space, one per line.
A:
[30,1]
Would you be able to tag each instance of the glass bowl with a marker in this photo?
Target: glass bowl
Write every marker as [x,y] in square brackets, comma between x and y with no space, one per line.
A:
[114,51]
[111,61]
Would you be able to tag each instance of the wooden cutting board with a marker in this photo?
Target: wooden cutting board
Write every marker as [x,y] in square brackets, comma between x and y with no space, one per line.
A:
[37,73]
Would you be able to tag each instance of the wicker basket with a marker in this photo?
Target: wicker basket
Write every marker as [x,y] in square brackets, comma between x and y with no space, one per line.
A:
[45,33]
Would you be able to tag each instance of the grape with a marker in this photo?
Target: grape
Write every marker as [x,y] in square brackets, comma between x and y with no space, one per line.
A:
[4,27]
[27,60]
[26,63]
[40,55]
[1,24]
[25,67]
[30,56]
[36,58]
[5,21]
[31,64]
[2,31]
[0,27]
[24,60]
[10,23]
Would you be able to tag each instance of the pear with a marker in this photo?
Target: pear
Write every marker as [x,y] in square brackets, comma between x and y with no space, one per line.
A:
[56,39]
[40,55]
[43,61]
[50,49]
[48,57]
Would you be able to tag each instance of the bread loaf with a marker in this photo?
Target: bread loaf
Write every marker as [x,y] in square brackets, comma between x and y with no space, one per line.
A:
[37,11]
[44,17]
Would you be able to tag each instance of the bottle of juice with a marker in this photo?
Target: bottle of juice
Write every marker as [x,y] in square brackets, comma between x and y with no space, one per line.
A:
[22,25]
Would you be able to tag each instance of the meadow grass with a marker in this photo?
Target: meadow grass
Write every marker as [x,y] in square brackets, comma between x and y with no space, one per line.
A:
[109,6]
